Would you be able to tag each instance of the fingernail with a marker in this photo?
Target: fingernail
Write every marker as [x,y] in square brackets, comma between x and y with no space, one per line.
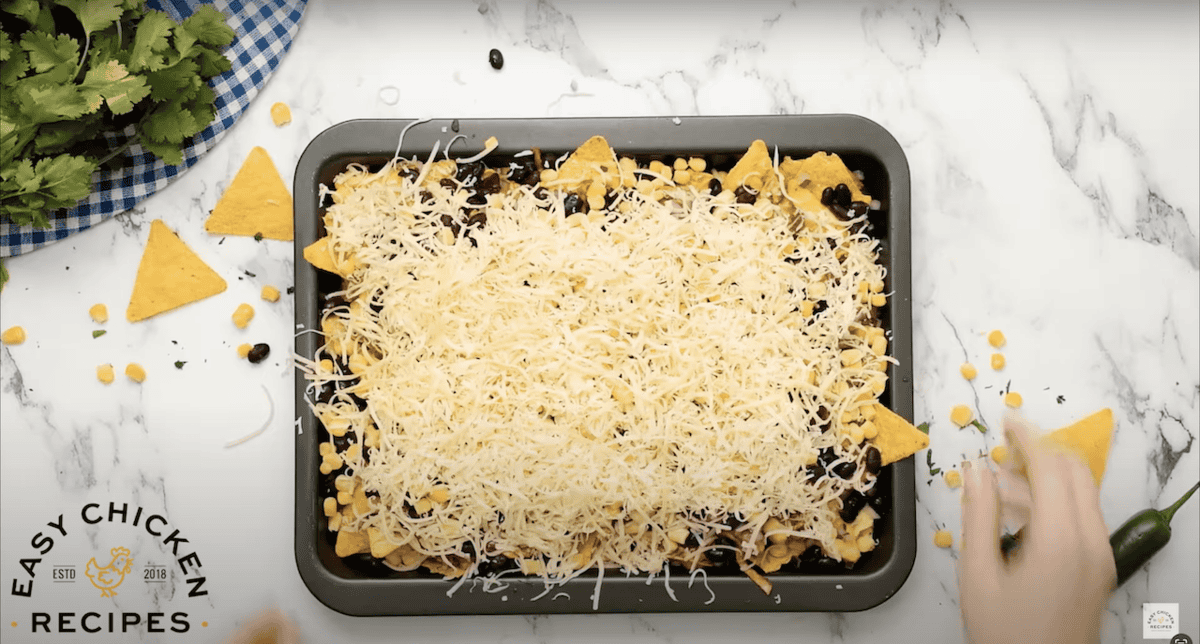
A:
[966,466]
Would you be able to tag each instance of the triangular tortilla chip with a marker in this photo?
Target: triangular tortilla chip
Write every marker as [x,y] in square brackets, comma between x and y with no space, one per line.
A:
[823,170]
[1090,438]
[755,163]
[897,438]
[351,543]
[169,276]
[320,254]
[255,203]
[594,160]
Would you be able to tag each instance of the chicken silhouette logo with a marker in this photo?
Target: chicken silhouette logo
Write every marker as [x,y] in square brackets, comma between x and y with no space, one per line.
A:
[108,578]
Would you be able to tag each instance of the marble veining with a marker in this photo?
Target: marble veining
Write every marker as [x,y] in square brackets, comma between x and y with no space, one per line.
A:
[1054,157]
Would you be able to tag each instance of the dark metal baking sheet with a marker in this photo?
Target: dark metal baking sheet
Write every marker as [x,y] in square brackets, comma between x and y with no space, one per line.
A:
[862,144]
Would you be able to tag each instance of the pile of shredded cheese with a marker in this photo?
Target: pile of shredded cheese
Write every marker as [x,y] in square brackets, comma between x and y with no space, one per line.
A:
[591,390]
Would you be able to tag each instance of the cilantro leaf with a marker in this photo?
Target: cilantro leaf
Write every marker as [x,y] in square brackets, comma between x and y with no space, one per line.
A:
[47,52]
[6,46]
[26,10]
[52,136]
[111,82]
[924,427]
[67,178]
[179,363]
[170,123]
[95,15]
[212,63]
[978,425]
[168,152]
[97,333]
[180,80]
[929,462]
[47,103]
[207,25]
[13,68]
[150,42]
[3,275]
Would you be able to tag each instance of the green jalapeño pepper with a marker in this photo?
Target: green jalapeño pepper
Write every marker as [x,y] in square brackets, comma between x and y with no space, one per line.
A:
[1144,534]
[1133,544]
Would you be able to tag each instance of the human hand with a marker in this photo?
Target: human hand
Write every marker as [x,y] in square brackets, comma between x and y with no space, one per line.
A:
[1055,588]
[271,627]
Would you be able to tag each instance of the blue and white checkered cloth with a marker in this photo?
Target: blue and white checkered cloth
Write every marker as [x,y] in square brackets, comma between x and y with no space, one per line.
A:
[264,29]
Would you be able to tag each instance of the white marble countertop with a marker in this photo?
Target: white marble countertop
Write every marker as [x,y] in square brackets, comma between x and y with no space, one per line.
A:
[1054,158]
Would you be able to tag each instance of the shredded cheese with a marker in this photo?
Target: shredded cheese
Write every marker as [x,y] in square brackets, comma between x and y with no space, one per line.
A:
[579,387]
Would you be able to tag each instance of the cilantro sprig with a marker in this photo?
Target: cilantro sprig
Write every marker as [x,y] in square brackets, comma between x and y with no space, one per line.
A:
[74,74]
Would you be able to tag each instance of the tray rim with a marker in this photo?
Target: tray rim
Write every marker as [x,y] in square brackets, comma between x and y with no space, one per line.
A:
[843,133]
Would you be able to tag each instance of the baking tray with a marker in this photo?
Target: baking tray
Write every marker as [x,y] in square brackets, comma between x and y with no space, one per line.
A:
[360,587]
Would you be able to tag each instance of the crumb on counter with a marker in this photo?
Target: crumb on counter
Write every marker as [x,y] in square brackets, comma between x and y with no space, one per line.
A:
[968,371]
[1000,454]
[135,372]
[953,479]
[961,415]
[243,349]
[996,339]
[99,313]
[943,539]
[998,361]
[243,315]
[1013,399]
[14,335]
[104,373]
[270,293]
[281,114]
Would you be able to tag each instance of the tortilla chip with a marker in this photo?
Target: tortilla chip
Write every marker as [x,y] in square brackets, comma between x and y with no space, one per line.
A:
[823,170]
[592,161]
[169,276]
[755,163]
[897,438]
[380,547]
[257,202]
[1090,438]
[351,543]
[319,255]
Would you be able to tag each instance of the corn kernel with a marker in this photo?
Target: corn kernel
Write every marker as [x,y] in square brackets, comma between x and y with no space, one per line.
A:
[968,371]
[697,164]
[879,345]
[996,339]
[943,539]
[953,479]
[773,525]
[866,543]
[243,349]
[99,313]
[961,415]
[678,535]
[345,484]
[344,498]
[1013,399]
[14,335]
[243,315]
[877,286]
[135,372]
[104,373]
[423,505]
[816,290]
[683,177]
[281,114]
[335,523]
[439,494]
[870,431]
[680,164]
[878,299]
[806,308]
[1000,454]
[596,202]
[998,361]
[330,506]
[270,293]
[850,356]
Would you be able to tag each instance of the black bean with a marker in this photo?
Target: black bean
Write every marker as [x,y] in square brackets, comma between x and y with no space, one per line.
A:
[720,556]
[259,352]
[449,222]
[840,212]
[819,307]
[573,204]
[858,209]
[468,173]
[327,486]
[332,301]
[426,196]
[852,502]
[408,172]
[714,186]
[734,521]
[448,183]
[496,59]
[815,471]
[827,456]
[477,199]
[827,197]
[842,195]
[495,565]
[745,195]
[343,442]
[477,219]
[873,460]
[692,542]
[325,393]
[454,125]
[879,503]
[548,161]
[489,184]
[812,554]
[526,172]
[499,517]
[845,470]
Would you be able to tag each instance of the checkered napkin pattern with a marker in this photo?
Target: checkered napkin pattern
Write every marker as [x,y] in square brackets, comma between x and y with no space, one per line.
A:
[264,29]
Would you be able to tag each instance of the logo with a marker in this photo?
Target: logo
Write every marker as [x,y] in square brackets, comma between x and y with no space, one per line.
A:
[1181,639]
[107,578]
[50,590]
[1160,621]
